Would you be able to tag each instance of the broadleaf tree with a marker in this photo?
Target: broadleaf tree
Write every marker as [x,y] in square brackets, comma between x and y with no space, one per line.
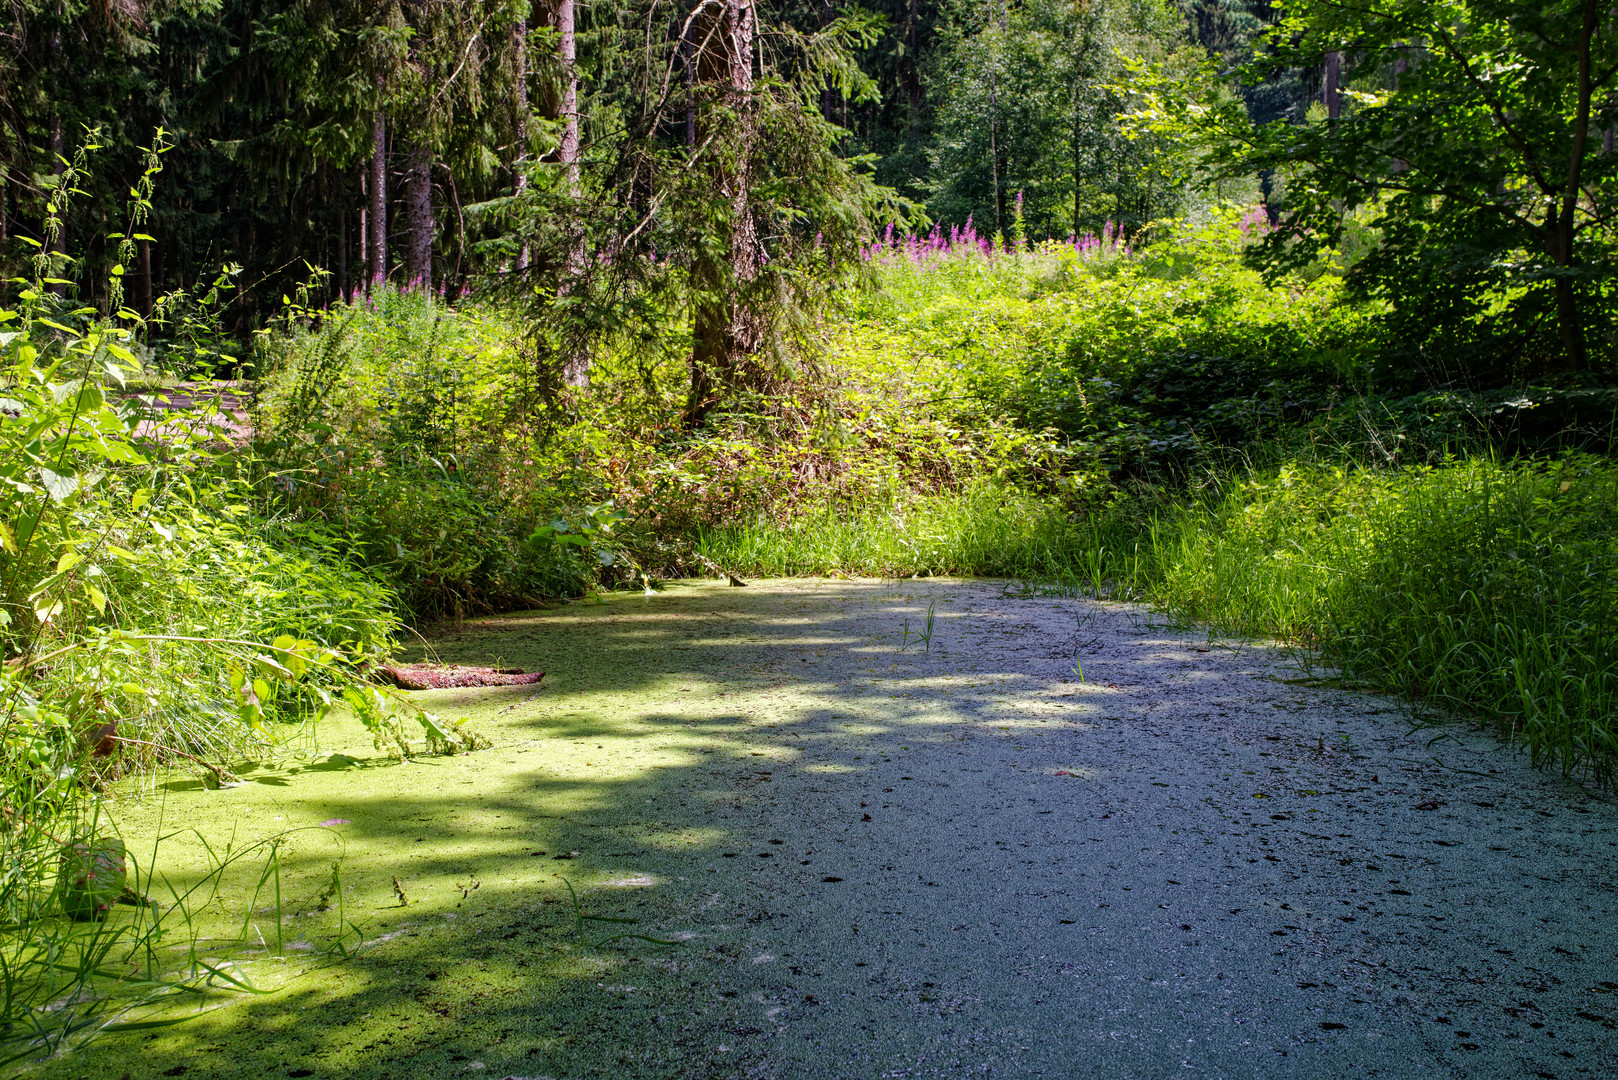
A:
[1471,143]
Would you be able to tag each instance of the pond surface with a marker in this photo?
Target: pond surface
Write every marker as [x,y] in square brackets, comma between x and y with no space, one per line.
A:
[1055,840]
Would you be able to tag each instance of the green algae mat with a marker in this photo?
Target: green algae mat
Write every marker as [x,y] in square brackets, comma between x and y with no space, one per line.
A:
[764,832]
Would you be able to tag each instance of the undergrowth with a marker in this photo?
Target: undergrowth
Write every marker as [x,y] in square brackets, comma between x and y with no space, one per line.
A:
[147,617]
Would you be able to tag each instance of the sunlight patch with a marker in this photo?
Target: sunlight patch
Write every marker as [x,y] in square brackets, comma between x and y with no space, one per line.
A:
[631,881]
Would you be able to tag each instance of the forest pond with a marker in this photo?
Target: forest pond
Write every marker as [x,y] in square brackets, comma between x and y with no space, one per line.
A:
[805,842]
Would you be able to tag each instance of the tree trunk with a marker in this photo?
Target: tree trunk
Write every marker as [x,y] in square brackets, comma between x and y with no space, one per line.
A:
[378,182]
[996,173]
[725,330]
[913,64]
[575,357]
[342,251]
[690,88]
[1330,94]
[1564,230]
[1078,144]
[567,53]
[519,168]
[827,90]
[420,226]
[1570,325]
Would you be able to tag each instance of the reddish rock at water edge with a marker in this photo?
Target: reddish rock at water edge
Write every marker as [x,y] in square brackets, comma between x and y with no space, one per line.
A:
[446,676]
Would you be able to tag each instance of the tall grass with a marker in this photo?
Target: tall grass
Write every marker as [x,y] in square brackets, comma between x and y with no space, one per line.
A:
[983,531]
[1481,588]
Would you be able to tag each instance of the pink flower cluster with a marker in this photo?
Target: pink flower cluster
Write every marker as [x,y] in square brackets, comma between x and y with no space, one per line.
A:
[960,241]
[923,248]
[1256,221]
[1110,242]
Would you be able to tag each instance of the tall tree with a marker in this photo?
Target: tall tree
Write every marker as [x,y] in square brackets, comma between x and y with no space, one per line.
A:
[724,328]
[576,365]
[377,182]
[735,226]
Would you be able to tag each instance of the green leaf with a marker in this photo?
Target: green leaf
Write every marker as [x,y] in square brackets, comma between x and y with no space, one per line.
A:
[57,486]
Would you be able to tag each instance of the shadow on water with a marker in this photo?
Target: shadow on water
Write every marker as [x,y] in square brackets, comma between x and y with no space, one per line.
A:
[835,834]
[643,773]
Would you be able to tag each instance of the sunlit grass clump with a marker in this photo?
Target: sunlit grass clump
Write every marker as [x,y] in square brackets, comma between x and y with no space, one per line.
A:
[984,531]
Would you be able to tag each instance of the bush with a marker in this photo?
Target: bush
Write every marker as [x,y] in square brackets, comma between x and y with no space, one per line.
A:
[146,616]
[413,428]
[1145,364]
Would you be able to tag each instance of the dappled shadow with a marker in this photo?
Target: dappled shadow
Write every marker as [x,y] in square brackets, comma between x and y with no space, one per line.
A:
[1052,823]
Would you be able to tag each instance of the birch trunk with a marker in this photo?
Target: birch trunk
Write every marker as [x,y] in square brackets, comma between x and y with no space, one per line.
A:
[576,359]
[519,170]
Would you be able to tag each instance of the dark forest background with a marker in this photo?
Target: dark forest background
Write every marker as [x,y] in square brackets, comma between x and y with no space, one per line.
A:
[281,116]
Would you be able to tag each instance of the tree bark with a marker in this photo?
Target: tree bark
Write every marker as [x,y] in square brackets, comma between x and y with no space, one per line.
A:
[1330,92]
[519,168]
[913,63]
[420,225]
[378,182]
[725,330]
[690,88]
[576,358]
[567,53]
[342,251]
